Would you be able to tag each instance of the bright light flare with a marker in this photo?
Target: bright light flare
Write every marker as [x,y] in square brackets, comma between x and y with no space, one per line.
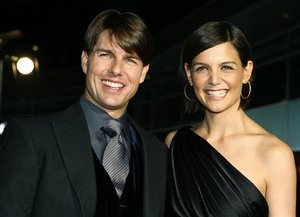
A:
[25,65]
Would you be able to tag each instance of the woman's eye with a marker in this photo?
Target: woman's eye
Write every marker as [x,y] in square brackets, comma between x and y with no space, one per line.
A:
[227,68]
[199,69]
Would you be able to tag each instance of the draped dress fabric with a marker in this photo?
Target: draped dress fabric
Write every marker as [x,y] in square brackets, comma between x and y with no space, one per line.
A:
[201,182]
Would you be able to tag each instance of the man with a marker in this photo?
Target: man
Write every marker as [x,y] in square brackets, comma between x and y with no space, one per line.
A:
[54,165]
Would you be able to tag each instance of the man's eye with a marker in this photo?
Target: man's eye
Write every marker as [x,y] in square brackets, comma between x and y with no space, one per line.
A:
[103,54]
[131,60]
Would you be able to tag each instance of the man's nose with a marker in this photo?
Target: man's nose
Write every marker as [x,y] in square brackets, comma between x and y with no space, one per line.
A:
[116,67]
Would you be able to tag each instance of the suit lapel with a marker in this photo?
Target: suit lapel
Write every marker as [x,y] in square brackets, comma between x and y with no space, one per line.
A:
[154,173]
[73,138]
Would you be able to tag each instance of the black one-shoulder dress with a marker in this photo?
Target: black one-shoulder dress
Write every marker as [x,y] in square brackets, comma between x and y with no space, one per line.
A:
[202,183]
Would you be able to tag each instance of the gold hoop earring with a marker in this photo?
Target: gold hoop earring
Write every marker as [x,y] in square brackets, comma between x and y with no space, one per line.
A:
[185,94]
[249,91]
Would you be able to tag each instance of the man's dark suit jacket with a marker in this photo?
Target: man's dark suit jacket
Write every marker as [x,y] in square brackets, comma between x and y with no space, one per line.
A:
[47,168]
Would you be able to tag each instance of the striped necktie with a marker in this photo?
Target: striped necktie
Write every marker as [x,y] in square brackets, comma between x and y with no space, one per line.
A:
[116,156]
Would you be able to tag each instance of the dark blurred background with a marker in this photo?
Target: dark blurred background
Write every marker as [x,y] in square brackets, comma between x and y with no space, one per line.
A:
[53,33]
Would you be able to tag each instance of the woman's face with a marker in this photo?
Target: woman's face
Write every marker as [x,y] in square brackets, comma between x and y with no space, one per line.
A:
[217,76]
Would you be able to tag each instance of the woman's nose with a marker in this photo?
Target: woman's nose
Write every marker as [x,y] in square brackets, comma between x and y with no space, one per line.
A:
[214,77]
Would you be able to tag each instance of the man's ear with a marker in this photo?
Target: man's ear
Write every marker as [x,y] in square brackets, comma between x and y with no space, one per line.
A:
[84,61]
[144,73]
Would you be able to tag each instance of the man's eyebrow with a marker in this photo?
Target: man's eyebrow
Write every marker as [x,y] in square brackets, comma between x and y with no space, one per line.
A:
[133,56]
[127,55]
[103,49]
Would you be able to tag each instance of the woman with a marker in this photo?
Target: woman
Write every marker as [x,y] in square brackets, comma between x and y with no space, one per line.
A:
[227,165]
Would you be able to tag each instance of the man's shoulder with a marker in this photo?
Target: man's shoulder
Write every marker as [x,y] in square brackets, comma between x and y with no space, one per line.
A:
[41,120]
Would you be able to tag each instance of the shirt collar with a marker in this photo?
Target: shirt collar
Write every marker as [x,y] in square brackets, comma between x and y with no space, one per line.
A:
[96,117]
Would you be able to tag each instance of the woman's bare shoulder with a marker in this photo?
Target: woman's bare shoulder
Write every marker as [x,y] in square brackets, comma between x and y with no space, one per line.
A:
[280,175]
[270,143]
[170,137]
[275,155]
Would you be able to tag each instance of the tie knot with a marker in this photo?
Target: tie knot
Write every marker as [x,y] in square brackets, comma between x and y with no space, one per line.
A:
[112,128]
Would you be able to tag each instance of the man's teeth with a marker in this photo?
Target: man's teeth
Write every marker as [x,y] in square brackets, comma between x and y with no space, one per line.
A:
[112,84]
[216,92]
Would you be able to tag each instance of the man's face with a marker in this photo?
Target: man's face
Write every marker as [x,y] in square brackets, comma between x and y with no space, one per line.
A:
[112,75]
